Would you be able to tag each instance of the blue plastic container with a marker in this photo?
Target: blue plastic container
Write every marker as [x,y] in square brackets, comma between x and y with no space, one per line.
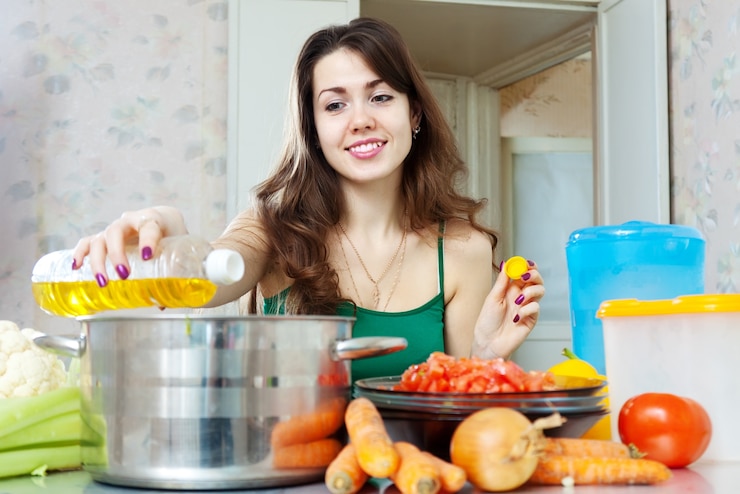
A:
[637,260]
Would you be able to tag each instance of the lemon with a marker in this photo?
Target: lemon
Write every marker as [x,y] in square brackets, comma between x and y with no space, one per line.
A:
[573,366]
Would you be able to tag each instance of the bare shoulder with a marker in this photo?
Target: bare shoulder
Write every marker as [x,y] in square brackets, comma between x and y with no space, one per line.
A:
[247,235]
[465,243]
[247,217]
[245,229]
[468,265]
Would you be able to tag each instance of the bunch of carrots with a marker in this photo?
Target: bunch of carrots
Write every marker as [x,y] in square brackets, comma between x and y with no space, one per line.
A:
[595,461]
[372,453]
[306,441]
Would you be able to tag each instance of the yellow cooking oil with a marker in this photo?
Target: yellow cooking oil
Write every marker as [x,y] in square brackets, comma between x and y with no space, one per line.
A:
[81,298]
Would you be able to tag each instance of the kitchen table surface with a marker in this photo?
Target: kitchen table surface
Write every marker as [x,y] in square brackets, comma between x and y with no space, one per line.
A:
[700,478]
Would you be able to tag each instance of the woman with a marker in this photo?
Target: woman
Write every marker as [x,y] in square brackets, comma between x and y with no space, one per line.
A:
[361,216]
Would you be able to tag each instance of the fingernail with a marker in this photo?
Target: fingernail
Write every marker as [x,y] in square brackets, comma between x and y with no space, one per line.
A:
[122,271]
[501,266]
[531,263]
[74,263]
[519,300]
[102,281]
[516,318]
[146,253]
[526,276]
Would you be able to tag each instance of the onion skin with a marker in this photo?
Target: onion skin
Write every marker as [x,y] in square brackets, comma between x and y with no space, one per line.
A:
[498,448]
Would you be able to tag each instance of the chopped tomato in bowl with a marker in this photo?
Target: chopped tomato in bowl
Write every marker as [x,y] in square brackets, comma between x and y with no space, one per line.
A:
[442,373]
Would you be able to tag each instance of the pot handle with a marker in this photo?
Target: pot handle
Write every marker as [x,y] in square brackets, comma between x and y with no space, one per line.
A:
[61,345]
[370,346]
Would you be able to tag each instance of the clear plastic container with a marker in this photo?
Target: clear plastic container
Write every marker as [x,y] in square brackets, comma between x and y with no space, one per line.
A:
[184,271]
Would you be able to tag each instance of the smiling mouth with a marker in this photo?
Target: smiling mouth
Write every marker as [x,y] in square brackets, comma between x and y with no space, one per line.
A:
[365,148]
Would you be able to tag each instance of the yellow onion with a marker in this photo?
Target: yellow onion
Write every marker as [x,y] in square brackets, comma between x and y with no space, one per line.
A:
[499,447]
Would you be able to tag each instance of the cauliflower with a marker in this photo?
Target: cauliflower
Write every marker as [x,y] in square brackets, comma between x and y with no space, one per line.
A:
[25,369]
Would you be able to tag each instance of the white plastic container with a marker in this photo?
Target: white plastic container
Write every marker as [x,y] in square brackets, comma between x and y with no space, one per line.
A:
[687,346]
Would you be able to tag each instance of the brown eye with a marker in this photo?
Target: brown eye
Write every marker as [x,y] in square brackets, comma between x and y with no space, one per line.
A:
[382,98]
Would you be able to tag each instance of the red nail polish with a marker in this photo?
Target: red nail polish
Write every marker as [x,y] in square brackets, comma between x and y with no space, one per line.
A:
[516,318]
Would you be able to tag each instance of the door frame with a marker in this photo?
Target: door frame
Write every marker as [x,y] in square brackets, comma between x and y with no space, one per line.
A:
[632,173]
[631,134]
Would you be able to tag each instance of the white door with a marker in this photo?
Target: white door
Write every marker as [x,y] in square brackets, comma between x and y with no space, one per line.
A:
[551,195]
[632,127]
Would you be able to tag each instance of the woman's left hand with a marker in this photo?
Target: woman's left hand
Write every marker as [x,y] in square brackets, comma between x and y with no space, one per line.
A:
[508,315]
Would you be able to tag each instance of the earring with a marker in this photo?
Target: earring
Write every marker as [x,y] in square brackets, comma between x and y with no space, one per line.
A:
[415,131]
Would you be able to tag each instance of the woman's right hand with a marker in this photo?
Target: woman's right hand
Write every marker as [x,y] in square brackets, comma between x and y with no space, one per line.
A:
[150,225]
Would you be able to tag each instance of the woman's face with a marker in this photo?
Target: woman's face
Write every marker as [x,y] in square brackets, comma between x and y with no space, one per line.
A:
[363,125]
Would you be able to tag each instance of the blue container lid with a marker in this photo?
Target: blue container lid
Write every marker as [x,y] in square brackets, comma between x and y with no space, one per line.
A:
[633,230]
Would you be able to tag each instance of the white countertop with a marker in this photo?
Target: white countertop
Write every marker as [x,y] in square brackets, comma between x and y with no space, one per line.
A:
[700,478]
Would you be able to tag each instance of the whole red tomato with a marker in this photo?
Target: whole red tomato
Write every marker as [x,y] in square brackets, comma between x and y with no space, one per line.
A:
[673,430]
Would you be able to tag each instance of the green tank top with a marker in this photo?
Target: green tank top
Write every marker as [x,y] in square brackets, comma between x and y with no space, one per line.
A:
[422,327]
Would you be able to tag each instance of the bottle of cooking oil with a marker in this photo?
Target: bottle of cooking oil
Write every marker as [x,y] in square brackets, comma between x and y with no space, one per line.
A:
[183,272]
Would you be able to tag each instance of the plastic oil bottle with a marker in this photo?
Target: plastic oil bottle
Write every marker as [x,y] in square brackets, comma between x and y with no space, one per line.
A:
[183,272]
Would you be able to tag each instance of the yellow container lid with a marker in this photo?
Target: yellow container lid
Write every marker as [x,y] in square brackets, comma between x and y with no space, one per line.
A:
[685,304]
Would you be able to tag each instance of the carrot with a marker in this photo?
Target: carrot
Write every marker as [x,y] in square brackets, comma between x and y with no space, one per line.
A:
[374,448]
[344,475]
[567,446]
[316,454]
[551,470]
[309,427]
[451,476]
[418,473]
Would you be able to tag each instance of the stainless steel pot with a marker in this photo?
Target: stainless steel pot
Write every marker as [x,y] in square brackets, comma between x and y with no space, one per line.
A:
[189,402]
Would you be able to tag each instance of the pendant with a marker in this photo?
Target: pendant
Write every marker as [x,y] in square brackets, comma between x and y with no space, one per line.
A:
[376,296]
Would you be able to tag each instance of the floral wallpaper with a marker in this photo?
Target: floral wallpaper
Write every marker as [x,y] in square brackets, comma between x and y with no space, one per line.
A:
[109,106]
[553,103]
[704,83]
[105,107]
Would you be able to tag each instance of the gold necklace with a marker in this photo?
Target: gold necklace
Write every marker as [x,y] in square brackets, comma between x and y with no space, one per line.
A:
[376,288]
[398,273]
[352,278]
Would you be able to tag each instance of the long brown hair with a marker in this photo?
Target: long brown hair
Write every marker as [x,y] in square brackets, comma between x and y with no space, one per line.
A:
[301,201]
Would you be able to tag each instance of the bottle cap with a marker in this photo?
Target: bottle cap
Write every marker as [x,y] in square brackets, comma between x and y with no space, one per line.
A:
[224,266]
[515,267]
